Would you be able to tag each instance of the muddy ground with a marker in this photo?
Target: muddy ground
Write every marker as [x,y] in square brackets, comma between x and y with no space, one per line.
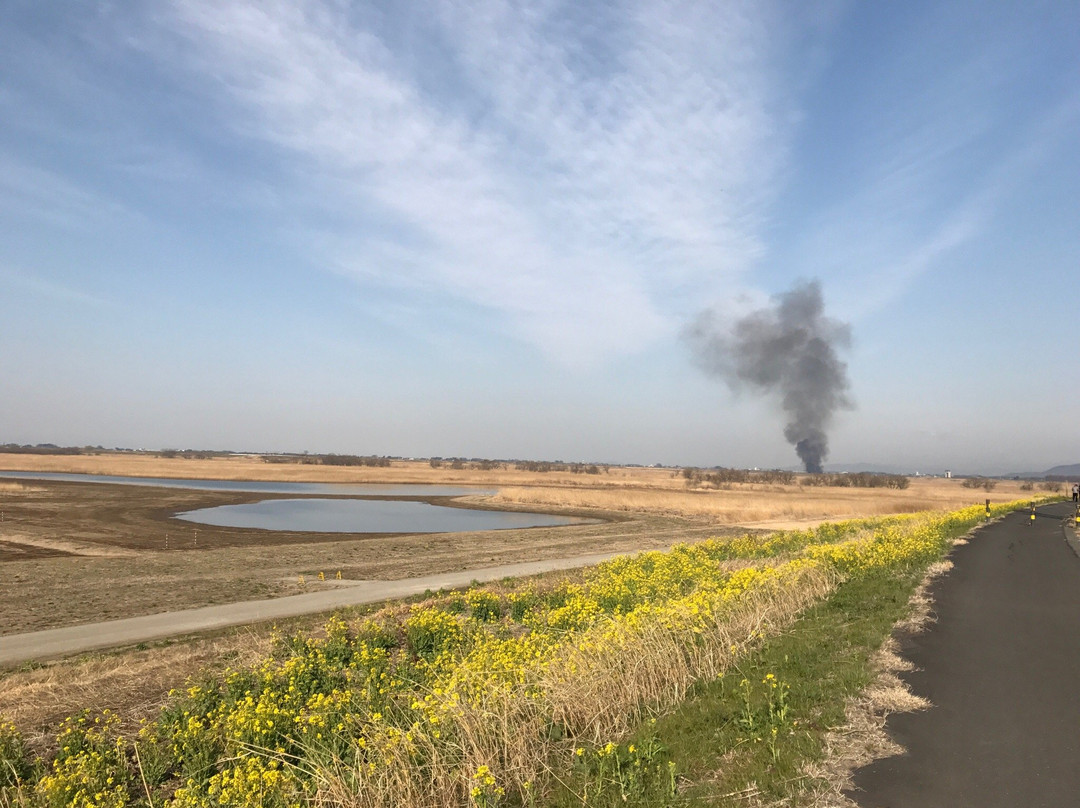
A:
[82,552]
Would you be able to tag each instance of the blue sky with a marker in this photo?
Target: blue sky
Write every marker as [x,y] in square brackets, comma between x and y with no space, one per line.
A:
[481,229]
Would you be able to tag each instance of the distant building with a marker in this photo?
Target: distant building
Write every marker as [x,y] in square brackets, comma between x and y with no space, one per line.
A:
[948,474]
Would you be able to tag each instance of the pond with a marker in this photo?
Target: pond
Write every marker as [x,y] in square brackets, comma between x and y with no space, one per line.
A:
[368,516]
[371,514]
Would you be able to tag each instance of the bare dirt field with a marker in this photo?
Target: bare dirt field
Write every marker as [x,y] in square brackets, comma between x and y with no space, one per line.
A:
[84,552]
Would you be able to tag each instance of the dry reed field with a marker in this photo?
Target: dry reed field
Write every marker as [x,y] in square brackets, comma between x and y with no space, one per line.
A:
[15,488]
[77,553]
[772,506]
[243,467]
[630,489]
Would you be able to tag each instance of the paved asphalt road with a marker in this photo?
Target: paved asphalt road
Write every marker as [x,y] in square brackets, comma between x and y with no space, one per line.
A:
[1002,668]
[18,648]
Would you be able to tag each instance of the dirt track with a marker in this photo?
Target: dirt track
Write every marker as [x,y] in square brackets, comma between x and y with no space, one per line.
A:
[1002,667]
[18,648]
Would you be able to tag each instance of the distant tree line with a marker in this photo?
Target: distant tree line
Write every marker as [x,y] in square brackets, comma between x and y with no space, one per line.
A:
[329,460]
[189,454]
[48,449]
[859,479]
[354,460]
[459,463]
[542,466]
[723,476]
[547,465]
[53,449]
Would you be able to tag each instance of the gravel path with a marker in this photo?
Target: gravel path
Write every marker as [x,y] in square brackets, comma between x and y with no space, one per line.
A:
[19,648]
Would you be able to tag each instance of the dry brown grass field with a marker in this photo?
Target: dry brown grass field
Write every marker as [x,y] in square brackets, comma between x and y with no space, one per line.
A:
[765,506]
[243,467]
[618,488]
[76,552]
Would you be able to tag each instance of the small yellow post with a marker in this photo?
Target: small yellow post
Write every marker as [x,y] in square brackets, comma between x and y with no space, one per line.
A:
[301,580]
[321,576]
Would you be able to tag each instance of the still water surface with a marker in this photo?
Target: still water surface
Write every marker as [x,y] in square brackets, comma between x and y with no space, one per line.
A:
[332,515]
[367,516]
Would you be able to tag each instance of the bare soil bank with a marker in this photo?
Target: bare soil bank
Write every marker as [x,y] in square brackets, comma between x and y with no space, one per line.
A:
[99,518]
[85,552]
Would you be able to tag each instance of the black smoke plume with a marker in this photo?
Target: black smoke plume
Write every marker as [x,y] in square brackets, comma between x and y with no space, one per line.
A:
[788,349]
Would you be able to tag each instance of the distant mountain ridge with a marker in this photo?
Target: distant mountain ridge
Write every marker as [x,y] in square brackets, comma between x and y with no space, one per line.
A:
[1064,471]
[1071,470]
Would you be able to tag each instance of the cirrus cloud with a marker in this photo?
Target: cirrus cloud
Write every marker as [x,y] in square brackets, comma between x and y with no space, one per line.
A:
[587,176]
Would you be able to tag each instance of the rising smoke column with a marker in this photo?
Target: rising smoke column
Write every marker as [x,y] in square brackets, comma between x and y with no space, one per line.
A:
[788,349]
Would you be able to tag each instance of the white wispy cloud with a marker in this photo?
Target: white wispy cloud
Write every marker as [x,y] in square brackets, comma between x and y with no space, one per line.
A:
[592,175]
[930,174]
[911,236]
[37,284]
[28,191]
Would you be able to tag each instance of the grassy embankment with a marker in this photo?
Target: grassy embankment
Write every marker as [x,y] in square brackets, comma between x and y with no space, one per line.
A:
[669,677]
